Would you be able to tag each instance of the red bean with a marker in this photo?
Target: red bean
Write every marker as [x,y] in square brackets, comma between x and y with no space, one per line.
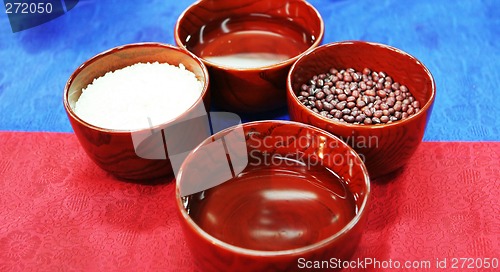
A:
[349,118]
[338,114]
[368,112]
[327,106]
[381,93]
[360,103]
[390,101]
[395,86]
[370,93]
[329,98]
[341,105]
[320,95]
[319,105]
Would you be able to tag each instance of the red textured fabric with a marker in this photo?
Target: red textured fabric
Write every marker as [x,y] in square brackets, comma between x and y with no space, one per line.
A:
[60,212]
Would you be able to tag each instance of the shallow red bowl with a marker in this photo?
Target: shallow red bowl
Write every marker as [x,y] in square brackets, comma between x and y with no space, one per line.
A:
[384,147]
[249,218]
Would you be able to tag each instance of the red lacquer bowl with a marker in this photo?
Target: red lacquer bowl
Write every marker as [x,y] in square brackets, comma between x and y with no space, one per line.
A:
[228,155]
[384,147]
[296,27]
[137,154]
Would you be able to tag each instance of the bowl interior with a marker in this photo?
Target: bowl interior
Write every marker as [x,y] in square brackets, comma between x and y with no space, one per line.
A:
[121,57]
[295,23]
[401,66]
[219,166]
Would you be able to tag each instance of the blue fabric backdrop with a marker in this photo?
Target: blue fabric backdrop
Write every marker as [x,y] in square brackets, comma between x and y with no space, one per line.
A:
[457,40]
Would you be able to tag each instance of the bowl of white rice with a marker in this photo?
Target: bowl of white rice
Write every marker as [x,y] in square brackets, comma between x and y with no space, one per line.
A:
[136,109]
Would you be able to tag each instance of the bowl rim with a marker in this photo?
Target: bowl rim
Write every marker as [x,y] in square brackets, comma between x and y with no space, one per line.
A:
[291,94]
[281,64]
[362,210]
[70,111]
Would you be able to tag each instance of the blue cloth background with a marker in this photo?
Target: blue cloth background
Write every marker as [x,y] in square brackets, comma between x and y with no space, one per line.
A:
[457,40]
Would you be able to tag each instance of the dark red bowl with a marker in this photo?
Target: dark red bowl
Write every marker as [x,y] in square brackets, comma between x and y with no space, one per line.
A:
[204,168]
[247,90]
[115,150]
[384,147]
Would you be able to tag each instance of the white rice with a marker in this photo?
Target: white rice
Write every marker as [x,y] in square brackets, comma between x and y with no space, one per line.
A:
[138,96]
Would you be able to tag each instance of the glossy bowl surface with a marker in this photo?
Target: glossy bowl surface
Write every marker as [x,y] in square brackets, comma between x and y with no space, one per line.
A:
[247,90]
[202,169]
[115,151]
[384,147]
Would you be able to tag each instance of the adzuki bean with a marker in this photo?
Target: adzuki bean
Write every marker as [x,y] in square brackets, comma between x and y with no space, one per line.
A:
[365,98]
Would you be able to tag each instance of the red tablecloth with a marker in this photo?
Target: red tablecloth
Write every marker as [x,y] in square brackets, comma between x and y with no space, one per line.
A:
[60,212]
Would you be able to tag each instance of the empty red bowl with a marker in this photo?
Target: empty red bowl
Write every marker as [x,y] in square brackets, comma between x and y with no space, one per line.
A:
[384,147]
[237,40]
[272,196]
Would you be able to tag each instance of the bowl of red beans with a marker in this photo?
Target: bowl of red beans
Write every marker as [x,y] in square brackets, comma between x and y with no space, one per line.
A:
[375,97]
